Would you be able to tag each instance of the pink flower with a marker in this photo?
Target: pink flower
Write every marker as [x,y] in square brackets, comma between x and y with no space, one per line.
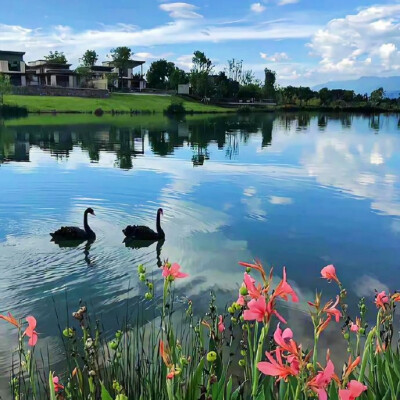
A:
[173,271]
[332,311]
[30,331]
[329,273]
[249,282]
[354,327]
[285,340]
[221,326]
[283,290]
[381,300]
[276,367]
[260,311]
[319,383]
[57,386]
[354,390]
[241,301]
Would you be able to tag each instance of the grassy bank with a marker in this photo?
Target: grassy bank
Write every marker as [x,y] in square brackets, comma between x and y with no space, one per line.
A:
[116,102]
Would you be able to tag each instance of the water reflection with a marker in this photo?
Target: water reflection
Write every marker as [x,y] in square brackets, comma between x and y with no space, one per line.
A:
[301,190]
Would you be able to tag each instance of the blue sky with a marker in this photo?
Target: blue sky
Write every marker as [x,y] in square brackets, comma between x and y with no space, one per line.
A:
[305,41]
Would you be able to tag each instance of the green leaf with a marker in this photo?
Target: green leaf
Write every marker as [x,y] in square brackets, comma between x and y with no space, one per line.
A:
[52,388]
[104,393]
[229,389]
[195,382]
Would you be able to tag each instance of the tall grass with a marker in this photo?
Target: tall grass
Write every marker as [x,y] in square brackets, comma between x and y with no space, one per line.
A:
[248,353]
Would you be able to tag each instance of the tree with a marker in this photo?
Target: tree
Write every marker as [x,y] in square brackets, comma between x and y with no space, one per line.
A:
[84,75]
[247,78]
[5,86]
[199,75]
[89,58]
[235,69]
[269,83]
[56,57]
[251,91]
[159,73]
[377,95]
[177,77]
[121,57]
[201,63]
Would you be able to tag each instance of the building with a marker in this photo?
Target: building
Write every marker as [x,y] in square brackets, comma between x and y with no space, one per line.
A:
[184,89]
[130,80]
[12,64]
[95,77]
[47,73]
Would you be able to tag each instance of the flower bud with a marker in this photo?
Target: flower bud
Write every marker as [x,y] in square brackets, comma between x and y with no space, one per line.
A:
[148,296]
[141,269]
[211,356]
[231,310]
[113,345]
[242,363]
[248,270]
[346,336]
[243,291]
[142,277]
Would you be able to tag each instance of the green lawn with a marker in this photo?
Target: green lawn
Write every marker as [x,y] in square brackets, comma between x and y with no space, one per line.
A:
[117,102]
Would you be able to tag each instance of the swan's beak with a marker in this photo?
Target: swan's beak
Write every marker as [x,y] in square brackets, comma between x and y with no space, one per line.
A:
[94,213]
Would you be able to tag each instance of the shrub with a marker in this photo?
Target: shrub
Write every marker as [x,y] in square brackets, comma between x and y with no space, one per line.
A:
[98,112]
[176,107]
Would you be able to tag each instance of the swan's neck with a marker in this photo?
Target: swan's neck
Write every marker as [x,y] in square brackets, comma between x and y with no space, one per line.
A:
[85,223]
[158,225]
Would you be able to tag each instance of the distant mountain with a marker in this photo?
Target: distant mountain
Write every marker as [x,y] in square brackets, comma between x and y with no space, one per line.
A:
[366,84]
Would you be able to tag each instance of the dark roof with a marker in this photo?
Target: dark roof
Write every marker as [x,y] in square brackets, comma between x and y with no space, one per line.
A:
[95,68]
[132,63]
[20,53]
[45,62]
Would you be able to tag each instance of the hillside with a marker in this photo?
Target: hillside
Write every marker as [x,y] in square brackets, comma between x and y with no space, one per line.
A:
[366,84]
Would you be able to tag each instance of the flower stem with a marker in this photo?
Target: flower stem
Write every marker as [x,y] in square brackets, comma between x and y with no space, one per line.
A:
[256,374]
[315,351]
[365,354]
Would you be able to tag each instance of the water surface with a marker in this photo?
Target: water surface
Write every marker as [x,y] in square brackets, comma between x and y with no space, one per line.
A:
[301,190]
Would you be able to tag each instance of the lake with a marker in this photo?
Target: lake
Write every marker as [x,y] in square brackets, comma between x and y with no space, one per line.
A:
[294,190]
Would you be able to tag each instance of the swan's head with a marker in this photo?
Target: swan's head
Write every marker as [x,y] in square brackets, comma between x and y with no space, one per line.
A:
[160,211]
[90,211]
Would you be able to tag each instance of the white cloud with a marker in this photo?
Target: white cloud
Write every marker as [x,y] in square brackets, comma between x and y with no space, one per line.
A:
[181,10]
[286,2]
[257,8]
[276,200]
[150,56]
[277,57]
[38,42]
[361,44]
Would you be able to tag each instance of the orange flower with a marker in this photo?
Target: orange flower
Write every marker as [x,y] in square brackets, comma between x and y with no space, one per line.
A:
[396,297]
[9,318]
[257,266]
[165,355]
[331,310]
[351,366]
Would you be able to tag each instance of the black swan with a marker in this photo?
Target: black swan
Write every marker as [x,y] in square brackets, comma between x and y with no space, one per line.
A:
[73,233]
[136,232]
